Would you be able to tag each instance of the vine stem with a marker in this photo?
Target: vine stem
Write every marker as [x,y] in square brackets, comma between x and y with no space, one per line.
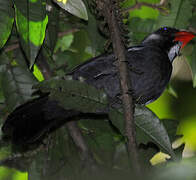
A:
[159,6]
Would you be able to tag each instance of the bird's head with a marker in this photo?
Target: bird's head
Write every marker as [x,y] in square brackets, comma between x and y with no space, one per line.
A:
[170,40]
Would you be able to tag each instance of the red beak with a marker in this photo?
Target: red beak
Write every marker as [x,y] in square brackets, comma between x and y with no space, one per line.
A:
[184,37]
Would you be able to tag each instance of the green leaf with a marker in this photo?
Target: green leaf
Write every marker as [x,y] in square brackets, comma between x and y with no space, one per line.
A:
[171,91]
[96,40]
[31,21]
[52,27]
[171,127]
[148,127]
[16,83]
[6,21]
[72,94]
[180,13]
[64,43]
[75,7]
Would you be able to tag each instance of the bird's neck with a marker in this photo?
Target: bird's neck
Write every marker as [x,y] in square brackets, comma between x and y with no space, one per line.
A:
[174,51]
[165,44]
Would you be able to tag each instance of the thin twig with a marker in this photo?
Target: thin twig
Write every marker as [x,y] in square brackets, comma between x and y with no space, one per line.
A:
[60,34]
[109,11]
[86,155]
[138,5]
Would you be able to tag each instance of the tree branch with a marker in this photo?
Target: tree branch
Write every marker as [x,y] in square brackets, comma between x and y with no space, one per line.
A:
[60,34]
[109,11]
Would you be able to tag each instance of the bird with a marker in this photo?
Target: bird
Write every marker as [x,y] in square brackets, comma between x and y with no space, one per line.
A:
[150,68]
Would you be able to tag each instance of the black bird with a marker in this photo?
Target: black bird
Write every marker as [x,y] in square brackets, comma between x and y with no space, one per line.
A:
[150,65]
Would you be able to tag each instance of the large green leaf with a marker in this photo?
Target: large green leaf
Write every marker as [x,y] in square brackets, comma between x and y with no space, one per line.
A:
[6,21]
[75,7]
[16,83]
[77,95]
[180,13]
[148,127]
[31,21]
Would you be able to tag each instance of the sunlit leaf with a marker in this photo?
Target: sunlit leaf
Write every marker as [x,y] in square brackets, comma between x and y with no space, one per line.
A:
[31,21]
[75,7]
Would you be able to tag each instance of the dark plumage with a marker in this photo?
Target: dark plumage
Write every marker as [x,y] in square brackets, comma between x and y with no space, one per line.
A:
[150,66]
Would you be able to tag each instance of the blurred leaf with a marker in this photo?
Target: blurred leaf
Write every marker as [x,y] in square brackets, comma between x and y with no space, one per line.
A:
[171,91]
[177,170]
[100,138]
[75,7]
[180,13]
[149,127]
[60,161]
[72,94]
[77,52]
[34,173]
[64,43]
[192,62]
[139,28]
[52,27]
[96,40]
[145,12]
[31,21]
[6,21]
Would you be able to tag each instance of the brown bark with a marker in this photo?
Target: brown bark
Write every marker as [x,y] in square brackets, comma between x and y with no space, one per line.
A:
[110,12]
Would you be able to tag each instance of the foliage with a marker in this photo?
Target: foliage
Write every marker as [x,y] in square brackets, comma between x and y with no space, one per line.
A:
[65,34]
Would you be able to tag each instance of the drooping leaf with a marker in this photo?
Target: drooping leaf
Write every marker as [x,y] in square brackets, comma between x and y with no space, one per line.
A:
[31,21]
[6,21]
[75,7]
[77,95]
[16,83]
[148,127]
